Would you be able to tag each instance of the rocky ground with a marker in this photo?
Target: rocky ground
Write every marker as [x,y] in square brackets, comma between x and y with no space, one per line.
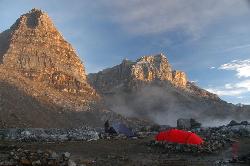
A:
[86,146]
[110,152]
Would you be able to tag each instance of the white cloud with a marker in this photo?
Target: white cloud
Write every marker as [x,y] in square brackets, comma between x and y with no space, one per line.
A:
[243,84]
[238,47]
[228,86]
[232,89]
[156,16]
[145,16]
[225,92]
[212,67]
[242,67]
[194,81]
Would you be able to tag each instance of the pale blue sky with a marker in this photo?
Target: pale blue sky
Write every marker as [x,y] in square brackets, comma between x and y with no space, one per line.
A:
[208,39]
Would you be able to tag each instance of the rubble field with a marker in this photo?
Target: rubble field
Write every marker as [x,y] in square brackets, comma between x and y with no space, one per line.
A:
[224,145]
[111,152]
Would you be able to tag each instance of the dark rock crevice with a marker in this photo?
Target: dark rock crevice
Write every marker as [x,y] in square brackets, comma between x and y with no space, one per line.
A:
[4,43]
[33,18]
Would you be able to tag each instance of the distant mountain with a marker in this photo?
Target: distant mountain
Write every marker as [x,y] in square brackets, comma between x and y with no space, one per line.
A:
[149,88]
[42,80]
[146,70]
[43,84]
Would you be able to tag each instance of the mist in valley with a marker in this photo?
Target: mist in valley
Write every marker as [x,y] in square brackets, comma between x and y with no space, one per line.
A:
[164,105]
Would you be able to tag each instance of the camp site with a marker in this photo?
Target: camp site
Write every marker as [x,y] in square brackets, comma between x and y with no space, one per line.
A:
[121,144]
[124,82]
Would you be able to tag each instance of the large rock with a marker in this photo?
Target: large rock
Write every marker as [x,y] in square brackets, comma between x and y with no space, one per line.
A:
[35,158]
[187,124]
[179,78]
[183,124]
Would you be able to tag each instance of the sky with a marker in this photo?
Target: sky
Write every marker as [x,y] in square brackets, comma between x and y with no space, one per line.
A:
[208,39]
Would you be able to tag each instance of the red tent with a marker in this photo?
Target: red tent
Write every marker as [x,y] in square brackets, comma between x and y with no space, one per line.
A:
[179,136]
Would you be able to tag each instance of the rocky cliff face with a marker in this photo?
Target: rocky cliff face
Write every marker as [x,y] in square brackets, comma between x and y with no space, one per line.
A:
[42,80]
[145,70]
[149,88]
[34,47]
[148,68]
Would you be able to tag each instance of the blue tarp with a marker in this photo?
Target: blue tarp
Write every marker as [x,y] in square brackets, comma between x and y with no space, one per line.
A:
[121,128]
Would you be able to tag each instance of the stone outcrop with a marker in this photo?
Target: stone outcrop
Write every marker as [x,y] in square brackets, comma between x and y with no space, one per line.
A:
[148,68]
[179,78]
[144,70]
[34,47]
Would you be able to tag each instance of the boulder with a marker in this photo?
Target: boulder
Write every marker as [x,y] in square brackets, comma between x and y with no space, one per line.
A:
[66,155]
[244,123]
[37,158]
[71,163]
[233,123]
[194,123]
[183,124]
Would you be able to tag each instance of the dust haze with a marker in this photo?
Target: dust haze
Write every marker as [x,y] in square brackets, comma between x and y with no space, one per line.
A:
[164,105]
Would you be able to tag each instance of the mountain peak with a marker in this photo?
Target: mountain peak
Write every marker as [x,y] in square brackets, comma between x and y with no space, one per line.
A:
[36,48]
[34,19]
[153,58]
[36,10]
[147,69]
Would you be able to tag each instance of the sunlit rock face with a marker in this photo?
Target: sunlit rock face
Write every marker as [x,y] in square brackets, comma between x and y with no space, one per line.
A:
[146,69]
[179,79]
[35,47]
[42,80]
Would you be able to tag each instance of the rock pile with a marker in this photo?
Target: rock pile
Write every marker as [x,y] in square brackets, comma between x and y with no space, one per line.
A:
[241,129]
[188,124]
[185,148]
[49,135]
[112,136]
[38,158]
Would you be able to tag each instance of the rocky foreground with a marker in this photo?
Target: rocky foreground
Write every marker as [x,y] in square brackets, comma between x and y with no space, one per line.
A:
[54,147]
